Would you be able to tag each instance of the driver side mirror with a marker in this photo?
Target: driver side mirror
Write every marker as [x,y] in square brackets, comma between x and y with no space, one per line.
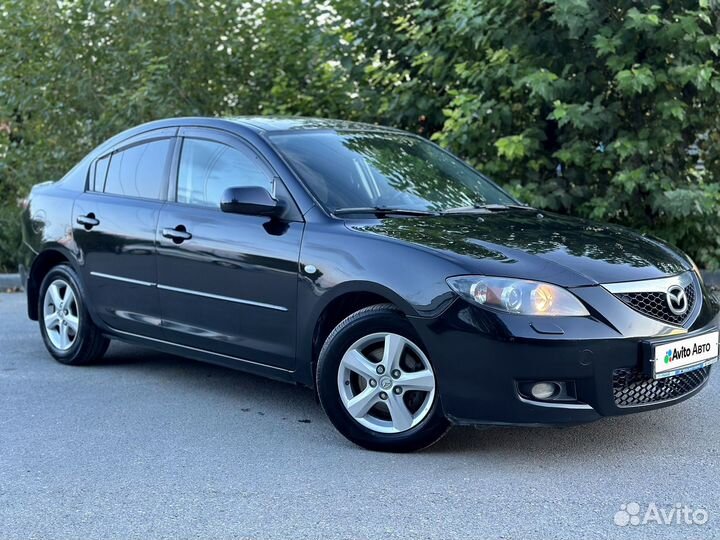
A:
[251,201]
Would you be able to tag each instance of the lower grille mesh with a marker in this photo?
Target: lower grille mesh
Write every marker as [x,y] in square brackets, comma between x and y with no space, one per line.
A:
[632,387]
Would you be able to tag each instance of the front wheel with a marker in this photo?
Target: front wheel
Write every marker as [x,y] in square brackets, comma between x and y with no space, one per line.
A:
[377,384]
[67,330]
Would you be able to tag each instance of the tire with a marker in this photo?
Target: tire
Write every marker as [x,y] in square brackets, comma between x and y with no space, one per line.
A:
[69,333]
[354,373]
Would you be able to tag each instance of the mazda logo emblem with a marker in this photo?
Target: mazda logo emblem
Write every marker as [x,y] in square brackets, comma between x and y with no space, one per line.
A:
[677,300]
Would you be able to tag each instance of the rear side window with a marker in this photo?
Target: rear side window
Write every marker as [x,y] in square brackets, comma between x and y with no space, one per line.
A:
[208,168]
[138,171]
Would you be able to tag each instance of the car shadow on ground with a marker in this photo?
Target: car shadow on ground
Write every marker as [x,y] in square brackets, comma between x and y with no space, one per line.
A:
[641,433]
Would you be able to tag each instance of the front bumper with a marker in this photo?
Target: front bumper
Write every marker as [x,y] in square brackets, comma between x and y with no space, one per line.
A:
[482,359]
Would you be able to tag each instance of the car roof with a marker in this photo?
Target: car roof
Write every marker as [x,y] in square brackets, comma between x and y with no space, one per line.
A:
[262,124]
[259,125]
[269,124]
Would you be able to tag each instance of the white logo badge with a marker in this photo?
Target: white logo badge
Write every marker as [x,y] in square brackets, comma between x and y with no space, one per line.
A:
[677,300]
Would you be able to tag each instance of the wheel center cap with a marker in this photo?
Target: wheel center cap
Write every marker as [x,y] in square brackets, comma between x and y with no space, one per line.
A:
[386,383]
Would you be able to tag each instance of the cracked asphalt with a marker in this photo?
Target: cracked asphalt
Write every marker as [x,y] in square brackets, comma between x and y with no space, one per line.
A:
[149,445]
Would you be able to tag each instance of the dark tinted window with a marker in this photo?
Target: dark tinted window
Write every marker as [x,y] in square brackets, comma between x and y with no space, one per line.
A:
[139,171]
[351,170]
[208,168]
[101,168]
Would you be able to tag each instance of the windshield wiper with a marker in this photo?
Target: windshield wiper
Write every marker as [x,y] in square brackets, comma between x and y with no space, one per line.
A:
[487,208]
[383,211]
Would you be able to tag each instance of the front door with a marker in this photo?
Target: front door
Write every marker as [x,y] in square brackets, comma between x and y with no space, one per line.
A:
[227,283]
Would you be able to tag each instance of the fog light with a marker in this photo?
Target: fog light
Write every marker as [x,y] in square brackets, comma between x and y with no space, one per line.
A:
[544,390]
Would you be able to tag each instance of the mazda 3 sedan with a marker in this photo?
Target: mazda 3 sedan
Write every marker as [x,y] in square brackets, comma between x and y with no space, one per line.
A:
[407,289]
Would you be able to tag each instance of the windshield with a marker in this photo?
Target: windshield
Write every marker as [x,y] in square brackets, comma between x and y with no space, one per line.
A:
[348,170]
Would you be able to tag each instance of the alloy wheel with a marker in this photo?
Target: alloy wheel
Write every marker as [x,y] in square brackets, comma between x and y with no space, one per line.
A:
[60,315]
[386,383]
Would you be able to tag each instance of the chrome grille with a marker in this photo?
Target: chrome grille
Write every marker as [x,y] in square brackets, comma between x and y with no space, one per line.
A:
[654,305]
[650,297]
[633,388]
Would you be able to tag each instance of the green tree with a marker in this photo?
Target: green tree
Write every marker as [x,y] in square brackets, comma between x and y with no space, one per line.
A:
[605,109]
[602,109]
[75,72]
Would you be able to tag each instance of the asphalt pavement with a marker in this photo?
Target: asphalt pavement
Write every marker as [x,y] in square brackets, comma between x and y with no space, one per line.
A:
[149,445]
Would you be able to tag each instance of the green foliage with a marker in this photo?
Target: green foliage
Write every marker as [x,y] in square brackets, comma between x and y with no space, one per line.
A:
[603,109]
[75,72]
[585,107]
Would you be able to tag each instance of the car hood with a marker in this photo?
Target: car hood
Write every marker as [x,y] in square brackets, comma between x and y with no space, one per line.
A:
[533,245]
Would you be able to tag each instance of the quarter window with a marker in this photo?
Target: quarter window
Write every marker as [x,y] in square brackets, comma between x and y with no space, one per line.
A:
[138,171]
[101,168]
[208,168]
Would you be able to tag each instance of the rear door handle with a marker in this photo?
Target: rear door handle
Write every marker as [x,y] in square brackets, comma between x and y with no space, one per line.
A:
[89,221]
[178,235]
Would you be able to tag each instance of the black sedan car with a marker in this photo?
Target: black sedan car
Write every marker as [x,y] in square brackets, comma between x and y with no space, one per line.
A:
[411,292]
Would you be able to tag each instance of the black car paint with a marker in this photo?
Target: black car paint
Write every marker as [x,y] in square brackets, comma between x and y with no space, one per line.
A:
[310,261]
[576,252]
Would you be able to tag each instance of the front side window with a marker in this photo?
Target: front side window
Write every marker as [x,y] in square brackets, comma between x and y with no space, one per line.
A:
[347,170]
[208,168]
[138,171]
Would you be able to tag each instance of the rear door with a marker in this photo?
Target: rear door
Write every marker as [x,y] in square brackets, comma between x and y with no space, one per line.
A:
[114,225]
[228,282]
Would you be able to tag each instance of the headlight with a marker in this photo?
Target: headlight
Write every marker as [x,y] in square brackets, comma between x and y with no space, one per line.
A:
[518,296]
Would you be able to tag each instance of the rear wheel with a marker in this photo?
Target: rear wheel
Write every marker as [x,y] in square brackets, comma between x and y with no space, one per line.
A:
[67,330]
[377,384]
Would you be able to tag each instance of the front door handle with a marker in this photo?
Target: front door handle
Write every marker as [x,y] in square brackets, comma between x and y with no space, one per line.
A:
[178,235]
[89,221]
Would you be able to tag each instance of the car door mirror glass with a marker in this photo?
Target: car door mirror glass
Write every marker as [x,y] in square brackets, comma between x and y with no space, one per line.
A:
[250,200]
